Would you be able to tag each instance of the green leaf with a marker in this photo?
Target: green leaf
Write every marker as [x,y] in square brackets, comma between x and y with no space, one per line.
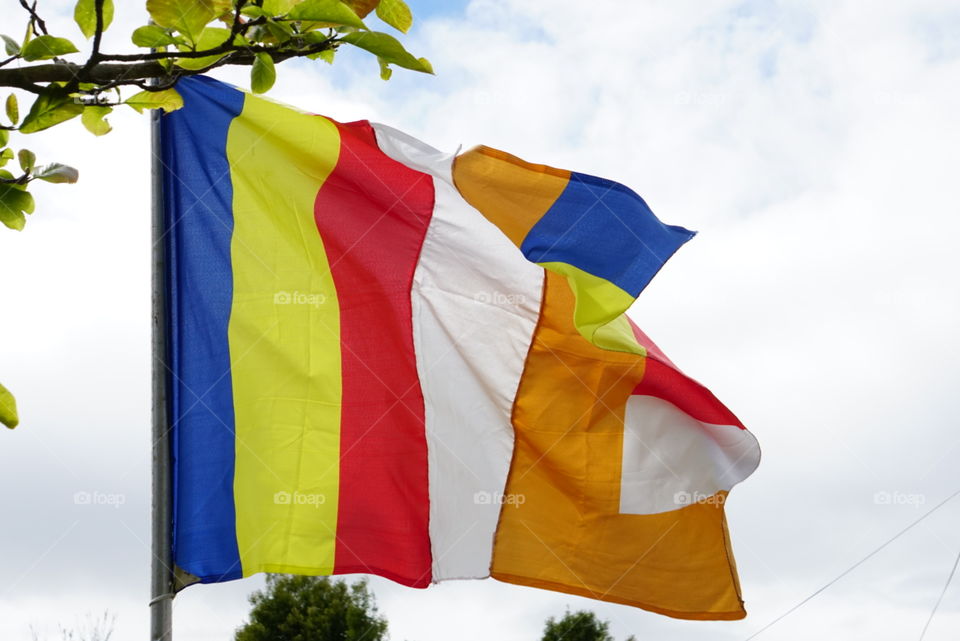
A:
[8,408]
[93,119]
[278,32]
[13,110]
[188,17]
[53,106]
[168,100]
[46,47]
[389,49]
[27,160]
[10,45]
[262,73]
[152,36]
[57,173]
[210,38]
[10,217]
[253,11]
[279,7]
[385,70]
[4,137]
[6,156]
[395,13]
[223,9]
[13,204]
[85,15]
[332,11]
[326,55]
[314,38]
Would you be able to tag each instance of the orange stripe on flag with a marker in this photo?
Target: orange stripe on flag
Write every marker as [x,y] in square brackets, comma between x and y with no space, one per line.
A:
[560,526]
[511,193]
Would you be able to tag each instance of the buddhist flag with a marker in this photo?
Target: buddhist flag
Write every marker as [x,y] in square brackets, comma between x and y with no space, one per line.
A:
[391,360]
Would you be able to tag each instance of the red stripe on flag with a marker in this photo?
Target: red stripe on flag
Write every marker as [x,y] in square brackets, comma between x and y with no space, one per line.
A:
[691,397]
[372,213]
[661,378]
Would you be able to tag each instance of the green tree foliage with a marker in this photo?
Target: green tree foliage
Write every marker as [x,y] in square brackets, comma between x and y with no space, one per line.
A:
[581,625]
[309,608]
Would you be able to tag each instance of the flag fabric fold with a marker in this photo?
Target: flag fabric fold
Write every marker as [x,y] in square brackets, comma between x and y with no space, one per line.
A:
[388,359]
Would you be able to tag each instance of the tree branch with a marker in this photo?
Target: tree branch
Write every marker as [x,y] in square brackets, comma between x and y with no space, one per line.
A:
[34,18]
[97,34]
[146,66]
[226,47]
[97,37]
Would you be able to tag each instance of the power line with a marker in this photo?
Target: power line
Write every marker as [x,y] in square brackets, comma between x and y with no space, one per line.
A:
[946,585]
[855,566]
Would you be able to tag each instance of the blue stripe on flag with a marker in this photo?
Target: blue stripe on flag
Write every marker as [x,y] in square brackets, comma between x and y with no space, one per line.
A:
[198,199]
[605,229]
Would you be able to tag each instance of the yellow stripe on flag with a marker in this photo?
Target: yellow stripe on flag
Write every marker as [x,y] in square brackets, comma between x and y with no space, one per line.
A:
[284,338]
[599,310]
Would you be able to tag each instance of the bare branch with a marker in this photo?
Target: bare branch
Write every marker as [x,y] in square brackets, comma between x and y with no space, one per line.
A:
[97,34]
[238,24]
[34,18]
[22,180]
[97,37]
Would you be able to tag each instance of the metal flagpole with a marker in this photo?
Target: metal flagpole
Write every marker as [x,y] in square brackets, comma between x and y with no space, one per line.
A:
[161,567]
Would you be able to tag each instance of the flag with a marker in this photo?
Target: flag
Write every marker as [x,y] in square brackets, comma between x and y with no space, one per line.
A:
[391,360]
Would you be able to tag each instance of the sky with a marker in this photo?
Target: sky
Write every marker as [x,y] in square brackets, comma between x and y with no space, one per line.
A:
[812,144]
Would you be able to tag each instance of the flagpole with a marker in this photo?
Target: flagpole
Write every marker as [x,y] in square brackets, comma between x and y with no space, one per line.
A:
[161,566]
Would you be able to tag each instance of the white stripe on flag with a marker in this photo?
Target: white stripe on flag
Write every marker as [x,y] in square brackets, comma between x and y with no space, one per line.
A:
[476,301]
[672,460]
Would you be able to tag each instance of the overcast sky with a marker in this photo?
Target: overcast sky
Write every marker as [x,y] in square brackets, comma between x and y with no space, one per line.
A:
[813,144]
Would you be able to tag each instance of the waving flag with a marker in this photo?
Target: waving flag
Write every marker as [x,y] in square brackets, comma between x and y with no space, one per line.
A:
[391,360]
